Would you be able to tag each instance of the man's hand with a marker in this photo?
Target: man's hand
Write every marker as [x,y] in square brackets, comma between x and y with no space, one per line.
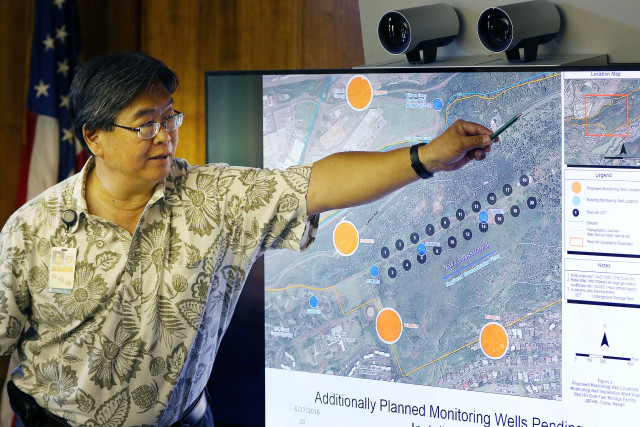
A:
[456,146]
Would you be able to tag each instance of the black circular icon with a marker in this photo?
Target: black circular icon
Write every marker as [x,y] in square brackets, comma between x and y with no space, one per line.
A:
[452,242]
[476,206]
[399,244]
[460,214]
[491,198]
[499,219]
[483,226]
[444,222]
[406,264]
[430,229]
[515,211]
[437,250]
[532,202]
[576,212]
[507,190]
[524,180]
[414,237]
[392,272]
[467,234]
[422,258]
[384,252]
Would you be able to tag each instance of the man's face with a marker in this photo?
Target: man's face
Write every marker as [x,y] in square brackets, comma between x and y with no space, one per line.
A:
[136,162]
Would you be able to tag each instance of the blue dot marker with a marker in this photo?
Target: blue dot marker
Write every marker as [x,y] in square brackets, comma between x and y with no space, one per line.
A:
[483,217]
[313,301]
[576,201]
[437,104]
[422,249]
[374,270]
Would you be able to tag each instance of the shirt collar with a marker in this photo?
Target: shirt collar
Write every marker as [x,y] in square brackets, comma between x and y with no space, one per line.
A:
[174,183]
[165,190]
[77,202]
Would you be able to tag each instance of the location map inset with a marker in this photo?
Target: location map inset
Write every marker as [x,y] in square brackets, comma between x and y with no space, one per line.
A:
[454,281]
[601,122]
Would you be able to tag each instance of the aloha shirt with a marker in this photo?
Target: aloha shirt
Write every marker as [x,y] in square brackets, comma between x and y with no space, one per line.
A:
[135,340]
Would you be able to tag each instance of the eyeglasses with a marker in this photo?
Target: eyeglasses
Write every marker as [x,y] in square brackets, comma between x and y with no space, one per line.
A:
[150,130]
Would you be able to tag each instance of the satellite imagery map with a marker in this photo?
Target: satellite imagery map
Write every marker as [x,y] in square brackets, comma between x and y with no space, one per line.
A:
[601,122]
[453,281]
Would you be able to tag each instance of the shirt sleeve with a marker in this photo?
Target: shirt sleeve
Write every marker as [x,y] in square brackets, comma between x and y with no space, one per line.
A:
[14,292]
[275,204]
[294,228]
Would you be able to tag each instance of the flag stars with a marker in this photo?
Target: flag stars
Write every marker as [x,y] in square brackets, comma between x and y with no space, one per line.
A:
[41,89]
[48,42]
[61,33]
[67,135]
[63,67]
[64,101]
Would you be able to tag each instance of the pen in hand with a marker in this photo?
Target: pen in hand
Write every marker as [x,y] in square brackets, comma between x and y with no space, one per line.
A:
[504,127]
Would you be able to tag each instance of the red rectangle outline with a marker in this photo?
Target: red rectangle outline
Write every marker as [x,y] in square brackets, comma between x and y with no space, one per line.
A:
[611,95]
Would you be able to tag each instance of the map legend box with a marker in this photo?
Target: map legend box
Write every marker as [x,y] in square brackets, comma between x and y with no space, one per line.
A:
[601,209]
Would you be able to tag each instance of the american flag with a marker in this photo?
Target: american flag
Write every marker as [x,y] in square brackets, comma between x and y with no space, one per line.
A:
[51,152]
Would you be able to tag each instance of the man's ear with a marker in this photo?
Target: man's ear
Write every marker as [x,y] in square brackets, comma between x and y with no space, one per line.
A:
[93,140]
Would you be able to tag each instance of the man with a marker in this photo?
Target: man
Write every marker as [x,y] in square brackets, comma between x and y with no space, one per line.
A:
[161,251]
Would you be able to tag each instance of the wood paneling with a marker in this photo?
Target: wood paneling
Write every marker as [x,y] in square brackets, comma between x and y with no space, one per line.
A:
[108,26]
[202,35]
[15,27]
[331,36]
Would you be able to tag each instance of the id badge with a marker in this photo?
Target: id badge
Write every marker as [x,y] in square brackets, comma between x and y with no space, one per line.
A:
[62,270]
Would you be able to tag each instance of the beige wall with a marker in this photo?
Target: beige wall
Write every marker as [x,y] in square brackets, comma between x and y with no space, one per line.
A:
[190,36]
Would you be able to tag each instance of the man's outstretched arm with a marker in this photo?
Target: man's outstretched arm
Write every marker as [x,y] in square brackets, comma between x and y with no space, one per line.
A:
[354,178]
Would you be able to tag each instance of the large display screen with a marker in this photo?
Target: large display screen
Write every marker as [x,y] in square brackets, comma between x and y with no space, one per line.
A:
[502,294]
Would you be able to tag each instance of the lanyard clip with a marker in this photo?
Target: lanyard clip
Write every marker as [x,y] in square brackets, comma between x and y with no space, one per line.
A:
[69,217]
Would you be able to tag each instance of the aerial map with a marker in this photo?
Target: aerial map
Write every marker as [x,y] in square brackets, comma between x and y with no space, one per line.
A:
[601,121]
[453,281]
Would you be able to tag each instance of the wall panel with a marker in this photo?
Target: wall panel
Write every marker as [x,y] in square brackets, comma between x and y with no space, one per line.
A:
[15,27]
[108,26]
[206,35]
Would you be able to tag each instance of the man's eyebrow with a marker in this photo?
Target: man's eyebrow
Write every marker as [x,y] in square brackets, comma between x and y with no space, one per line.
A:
[141,113]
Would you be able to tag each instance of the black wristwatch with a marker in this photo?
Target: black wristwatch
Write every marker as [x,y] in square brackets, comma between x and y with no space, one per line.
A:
[416,164]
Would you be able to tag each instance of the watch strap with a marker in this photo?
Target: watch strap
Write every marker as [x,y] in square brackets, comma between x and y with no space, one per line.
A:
[416,164]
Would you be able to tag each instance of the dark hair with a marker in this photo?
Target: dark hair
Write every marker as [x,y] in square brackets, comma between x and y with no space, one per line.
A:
[106,84]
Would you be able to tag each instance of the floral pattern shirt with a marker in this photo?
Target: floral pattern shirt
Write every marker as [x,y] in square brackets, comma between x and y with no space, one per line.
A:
[134,341]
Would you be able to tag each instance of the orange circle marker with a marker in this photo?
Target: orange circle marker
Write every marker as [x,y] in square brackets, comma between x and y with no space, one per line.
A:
[346,238]
[576,187]
[389,325]
[359,93]
[494,340]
